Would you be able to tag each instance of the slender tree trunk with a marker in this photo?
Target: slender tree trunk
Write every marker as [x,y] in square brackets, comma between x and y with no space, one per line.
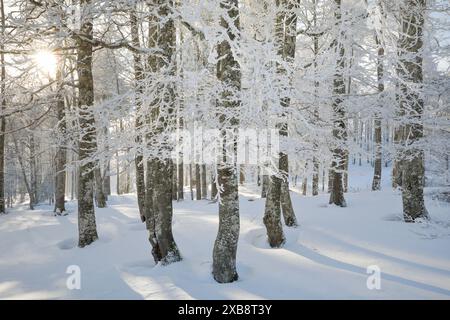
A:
[315,176]
[304,185]
[410,72]
[180,180]
[265,185]
[100,198]
[2,110]
[213,187]
[376,183]
[107,181]
[24,174]
[33,170]
[191,182]
[228,72]
[87,228]
[204,188]
[339,126]
[198,185]
[181,167]
[61,152]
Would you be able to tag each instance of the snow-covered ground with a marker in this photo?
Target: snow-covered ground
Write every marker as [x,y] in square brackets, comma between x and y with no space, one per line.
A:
[325,257]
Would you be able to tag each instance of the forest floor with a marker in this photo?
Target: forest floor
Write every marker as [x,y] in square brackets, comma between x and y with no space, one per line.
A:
[326,257]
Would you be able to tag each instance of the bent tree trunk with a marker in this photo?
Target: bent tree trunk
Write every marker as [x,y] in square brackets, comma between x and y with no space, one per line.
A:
[411,103]
[87,228]
[228,72]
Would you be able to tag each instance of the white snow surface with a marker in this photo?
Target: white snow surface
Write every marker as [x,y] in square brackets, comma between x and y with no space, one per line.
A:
[326,257]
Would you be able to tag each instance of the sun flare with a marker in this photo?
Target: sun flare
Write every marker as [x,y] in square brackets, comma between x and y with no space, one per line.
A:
[45,62]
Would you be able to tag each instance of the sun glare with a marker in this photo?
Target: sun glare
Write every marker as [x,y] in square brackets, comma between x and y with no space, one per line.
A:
[45,62]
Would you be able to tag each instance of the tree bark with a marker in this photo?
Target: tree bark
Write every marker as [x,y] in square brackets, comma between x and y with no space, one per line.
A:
[61,152]
[286,33]
[204,188]
[339,126]
[228,72]
[272,214]
[160,171]
[213,187]
[2,110]
[100,198]
[376,183]
[198,185]
[87,228]
[410,72]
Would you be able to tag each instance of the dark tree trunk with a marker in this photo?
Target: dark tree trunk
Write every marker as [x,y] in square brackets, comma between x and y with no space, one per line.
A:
[213,187]
[228,72]
[376,183]
[204,188]
[24,175]
[61,152]
[286,37]
[198,185]
[2,109]
[163,211]
[159,182]
[107,181]
[272,214]
[180,180]
[174,182]
[33,171]
[265,185]
[100,198]
[410,72]
[181,168]
[87,228]
[339,126]
[191,182]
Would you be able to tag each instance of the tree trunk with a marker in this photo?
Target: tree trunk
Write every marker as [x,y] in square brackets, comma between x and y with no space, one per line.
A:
[159,182]
[272,214]
[61,153]
[228,72]
[33,170]
[162,204]
[198,185]
[265,185]
[286,33]
[2,109]
[24,175]
[100,198]
[204,188]
[174,182]
[376,183]
[191,182]
[180,180]
[315,177]
[410,72]
[213,187]
[339,126]
[87,228]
